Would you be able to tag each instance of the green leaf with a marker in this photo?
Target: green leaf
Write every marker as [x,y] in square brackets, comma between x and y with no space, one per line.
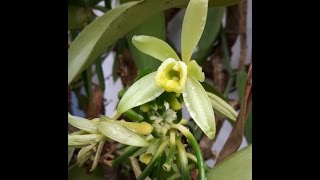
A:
[222,107]
[241,83]
[98,36]
[121,134]
[154,47]
[237,166]
[78,173]
[88,46]
[248,127]
[83,124]
[192,27]
[155,26]
[199,106]
[210,33]
[141,92]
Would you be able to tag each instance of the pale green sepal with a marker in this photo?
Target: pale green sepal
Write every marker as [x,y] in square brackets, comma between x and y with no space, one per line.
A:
[192,27]
[141,92]
[199,106]
[154,47]
[121,134]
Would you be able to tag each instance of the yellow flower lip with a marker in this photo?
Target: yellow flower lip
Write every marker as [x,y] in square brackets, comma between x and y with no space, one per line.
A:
[172,75]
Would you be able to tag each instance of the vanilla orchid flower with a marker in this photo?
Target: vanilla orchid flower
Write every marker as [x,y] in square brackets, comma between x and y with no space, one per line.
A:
[175,75]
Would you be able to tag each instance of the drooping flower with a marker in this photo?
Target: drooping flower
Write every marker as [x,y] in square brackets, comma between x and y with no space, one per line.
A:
[174,75]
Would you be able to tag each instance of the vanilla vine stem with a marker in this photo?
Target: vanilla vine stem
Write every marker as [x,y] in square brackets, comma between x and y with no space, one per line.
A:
[183,161]
[195,147]
[167,165]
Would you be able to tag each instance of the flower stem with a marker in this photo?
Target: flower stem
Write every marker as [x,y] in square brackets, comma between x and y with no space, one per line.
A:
[153,161]
[125,155]
[196,148]
[192,157]
[183,161]
[172,137]
[169,160]
[159,171]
